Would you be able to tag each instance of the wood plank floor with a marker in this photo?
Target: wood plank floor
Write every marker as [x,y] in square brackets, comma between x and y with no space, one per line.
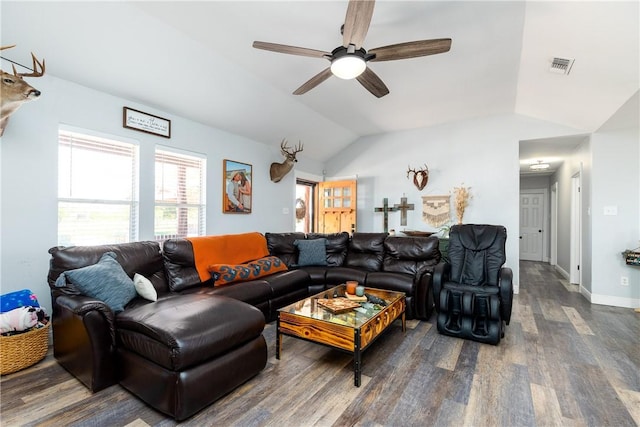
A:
[563,362]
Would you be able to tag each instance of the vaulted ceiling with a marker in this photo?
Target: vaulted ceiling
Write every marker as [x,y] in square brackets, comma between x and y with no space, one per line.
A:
[195,60]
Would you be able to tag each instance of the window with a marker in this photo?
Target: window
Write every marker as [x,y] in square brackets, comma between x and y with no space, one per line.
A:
[97,190]
[180,195]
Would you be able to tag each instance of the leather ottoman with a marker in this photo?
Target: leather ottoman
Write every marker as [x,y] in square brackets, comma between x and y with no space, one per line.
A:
[181,354]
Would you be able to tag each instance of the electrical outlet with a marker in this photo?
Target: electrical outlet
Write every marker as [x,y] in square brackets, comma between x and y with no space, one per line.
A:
[624,281]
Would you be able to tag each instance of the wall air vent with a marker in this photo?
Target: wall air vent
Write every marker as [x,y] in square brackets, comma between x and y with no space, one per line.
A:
[561,65]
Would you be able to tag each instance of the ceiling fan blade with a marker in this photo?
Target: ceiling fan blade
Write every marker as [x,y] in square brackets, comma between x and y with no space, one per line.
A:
[411,49]
[356,23]
[314,81]
[291,50]
[372,83]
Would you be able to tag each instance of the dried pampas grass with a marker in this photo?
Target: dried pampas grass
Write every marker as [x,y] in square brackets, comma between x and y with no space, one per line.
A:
[462,195]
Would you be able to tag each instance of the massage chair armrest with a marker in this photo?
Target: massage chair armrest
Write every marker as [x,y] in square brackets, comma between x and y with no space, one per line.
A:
[84,339]
[505,283]
[423,283]
[440,276]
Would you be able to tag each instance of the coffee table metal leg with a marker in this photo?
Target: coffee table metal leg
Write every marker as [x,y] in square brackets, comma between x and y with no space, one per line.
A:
[357,362]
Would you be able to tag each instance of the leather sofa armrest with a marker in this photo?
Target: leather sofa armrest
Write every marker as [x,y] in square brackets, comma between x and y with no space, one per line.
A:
[81,305]
[84,340]
[440,275]
[505,283]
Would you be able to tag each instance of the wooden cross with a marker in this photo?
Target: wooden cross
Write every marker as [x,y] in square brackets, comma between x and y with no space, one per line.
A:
[403,207]
[385,209]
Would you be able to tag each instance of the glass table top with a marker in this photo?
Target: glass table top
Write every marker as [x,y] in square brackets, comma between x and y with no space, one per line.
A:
[355,317]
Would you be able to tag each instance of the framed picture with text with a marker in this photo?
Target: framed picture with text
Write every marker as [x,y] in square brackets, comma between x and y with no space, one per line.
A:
[236,187]
[144,122]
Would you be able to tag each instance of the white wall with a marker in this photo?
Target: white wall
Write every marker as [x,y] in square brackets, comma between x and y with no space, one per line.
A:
[480,153]
[610,165]
[534,183]
[616,177]
[28,187]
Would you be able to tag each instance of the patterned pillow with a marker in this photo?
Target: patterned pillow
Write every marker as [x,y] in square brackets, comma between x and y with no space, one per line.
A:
[226,273]
[105,280]
[312,252]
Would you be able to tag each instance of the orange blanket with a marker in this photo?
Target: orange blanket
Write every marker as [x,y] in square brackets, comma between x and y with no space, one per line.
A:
[226,249]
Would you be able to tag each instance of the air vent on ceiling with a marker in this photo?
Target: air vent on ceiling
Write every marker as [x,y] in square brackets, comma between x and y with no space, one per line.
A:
[561,65]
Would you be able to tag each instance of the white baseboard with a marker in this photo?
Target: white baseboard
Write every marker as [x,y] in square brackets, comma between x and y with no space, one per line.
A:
[562,272]
[614,301]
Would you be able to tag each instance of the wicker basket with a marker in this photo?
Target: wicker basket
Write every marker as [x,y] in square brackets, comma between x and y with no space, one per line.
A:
[23,350]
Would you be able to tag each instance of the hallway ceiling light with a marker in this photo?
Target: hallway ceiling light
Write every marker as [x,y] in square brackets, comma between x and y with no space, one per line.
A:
[540,166]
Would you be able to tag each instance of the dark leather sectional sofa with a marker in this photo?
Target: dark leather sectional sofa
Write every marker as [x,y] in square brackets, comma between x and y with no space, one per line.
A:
[198,342]
[377,260]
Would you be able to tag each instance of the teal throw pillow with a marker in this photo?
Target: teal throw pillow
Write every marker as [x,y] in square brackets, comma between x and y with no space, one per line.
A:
[311,252]
[105,281]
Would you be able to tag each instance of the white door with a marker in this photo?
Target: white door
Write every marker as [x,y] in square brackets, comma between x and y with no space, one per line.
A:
[531,226]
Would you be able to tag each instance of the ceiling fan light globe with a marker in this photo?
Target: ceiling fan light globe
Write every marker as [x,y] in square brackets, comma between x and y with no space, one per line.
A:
[348,67]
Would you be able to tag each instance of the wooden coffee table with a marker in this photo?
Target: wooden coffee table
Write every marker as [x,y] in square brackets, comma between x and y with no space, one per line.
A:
[351,331]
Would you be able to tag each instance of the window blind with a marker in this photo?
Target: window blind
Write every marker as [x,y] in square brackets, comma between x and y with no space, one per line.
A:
[97,190]
[179,194]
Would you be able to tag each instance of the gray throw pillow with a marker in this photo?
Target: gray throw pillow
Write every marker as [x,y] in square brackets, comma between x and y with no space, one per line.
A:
[311,252]
[105,281]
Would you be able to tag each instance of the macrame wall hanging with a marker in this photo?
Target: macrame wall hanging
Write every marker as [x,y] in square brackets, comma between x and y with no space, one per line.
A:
[436,210]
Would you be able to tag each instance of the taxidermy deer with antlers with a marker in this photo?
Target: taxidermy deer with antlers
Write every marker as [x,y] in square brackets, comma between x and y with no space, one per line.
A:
[279,170]
[420,176]
[15,91]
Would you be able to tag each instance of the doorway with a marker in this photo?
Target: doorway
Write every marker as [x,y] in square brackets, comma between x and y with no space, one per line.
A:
[305,206]
[553,253]
[575,276]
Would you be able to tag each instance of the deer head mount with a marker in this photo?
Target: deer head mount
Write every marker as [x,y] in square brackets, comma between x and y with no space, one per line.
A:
[15,91]
[279,170]
[420,176]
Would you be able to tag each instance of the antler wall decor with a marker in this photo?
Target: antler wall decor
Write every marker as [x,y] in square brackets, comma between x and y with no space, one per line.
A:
[420,176]
[279,170]
[15,91]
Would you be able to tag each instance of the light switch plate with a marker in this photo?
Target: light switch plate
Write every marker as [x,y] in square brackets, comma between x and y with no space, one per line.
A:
[611,210]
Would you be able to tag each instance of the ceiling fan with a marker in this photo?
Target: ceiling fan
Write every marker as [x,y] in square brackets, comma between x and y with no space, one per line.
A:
[349,61]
